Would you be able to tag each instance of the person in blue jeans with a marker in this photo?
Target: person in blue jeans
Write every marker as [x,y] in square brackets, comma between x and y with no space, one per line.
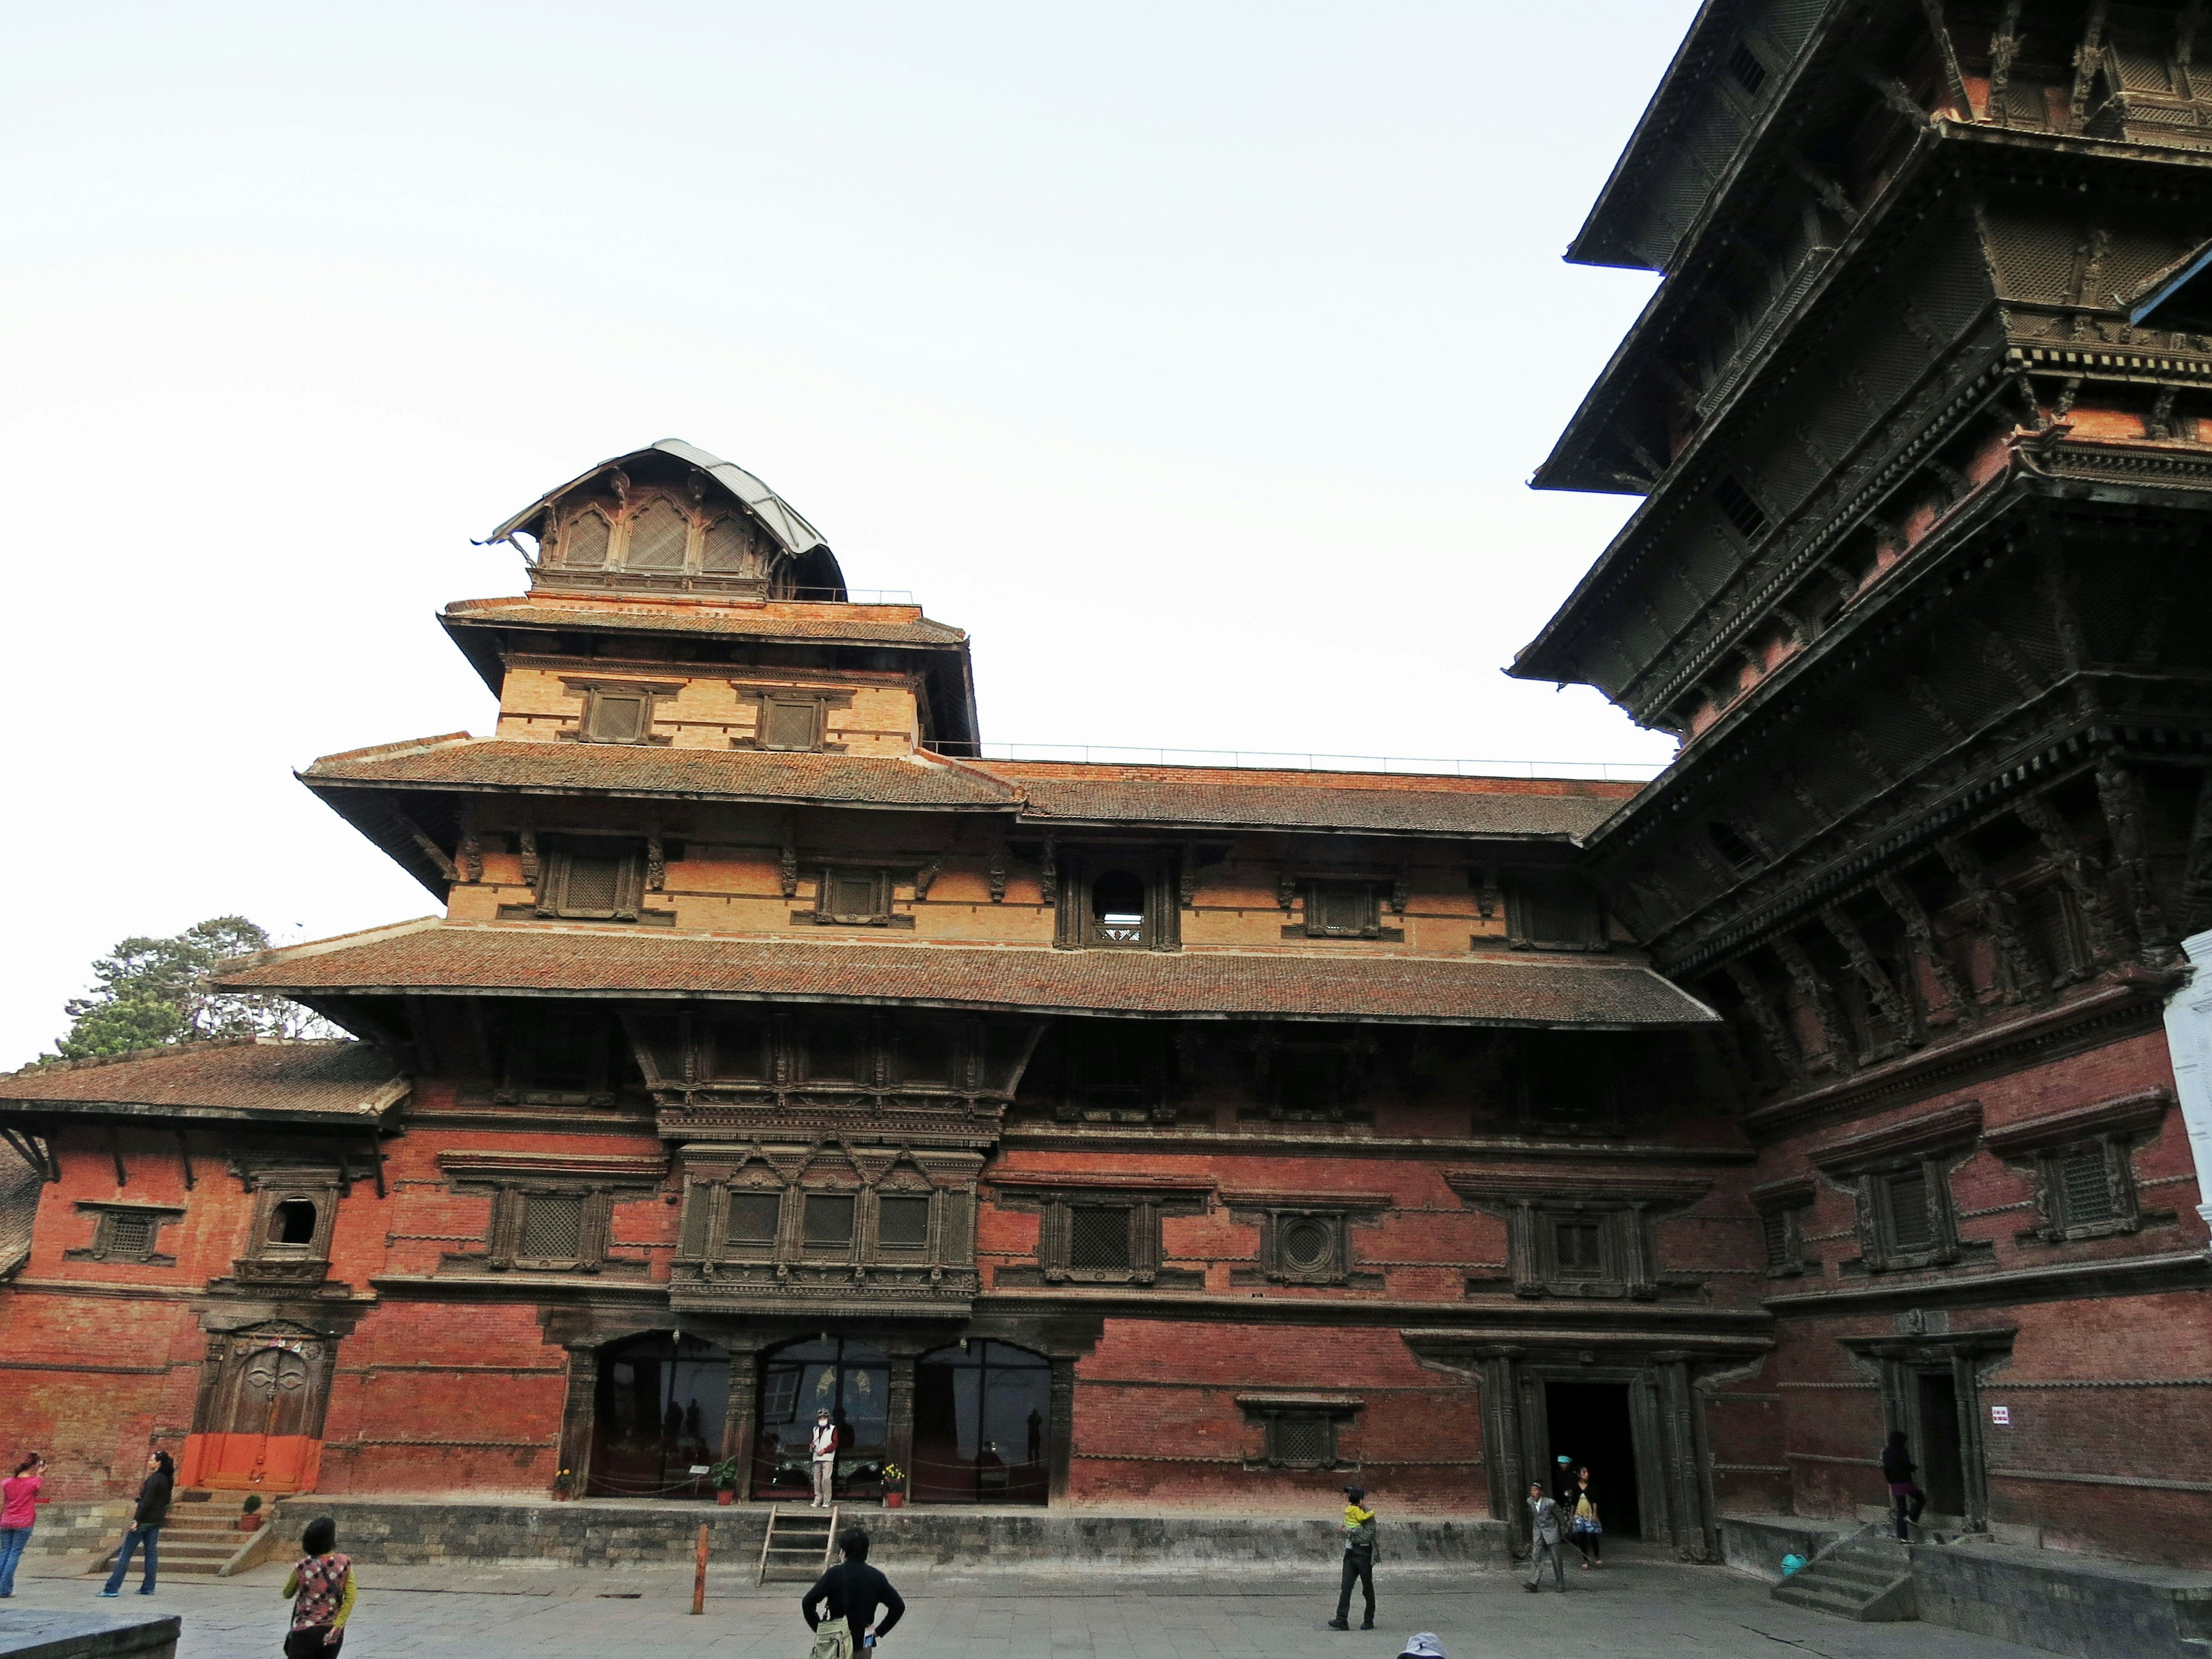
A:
[146,1524]
[19,1502]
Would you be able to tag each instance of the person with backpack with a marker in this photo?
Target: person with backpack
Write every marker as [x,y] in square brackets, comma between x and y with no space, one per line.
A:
[18,1513]
[1359,1559]
[321,1586]
[145,1524]
[851,1591]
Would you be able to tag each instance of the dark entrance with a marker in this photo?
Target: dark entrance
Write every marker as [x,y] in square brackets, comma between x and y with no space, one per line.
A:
[1590,1425]
[854,1380]
[1943,1469]
[661,1402]
[982,1425]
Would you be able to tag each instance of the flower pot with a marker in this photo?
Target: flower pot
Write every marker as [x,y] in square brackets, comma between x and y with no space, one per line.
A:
[893,1500]
[725,1494]
[249,1523]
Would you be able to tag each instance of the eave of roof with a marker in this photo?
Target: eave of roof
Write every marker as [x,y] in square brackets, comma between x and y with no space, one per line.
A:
[525,959]
[350,1085]
[779,518]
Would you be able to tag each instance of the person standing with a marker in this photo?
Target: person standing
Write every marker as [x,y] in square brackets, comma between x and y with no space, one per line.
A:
[1583,1526]
[1897,1468]
[1359,1559]
[146,1524]
[1544,1538]
[321,1586]
[19,1502]
[850,1592]
[823,1459]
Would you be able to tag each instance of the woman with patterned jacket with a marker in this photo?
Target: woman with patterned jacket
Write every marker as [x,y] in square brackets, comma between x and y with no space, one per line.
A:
[322,1591]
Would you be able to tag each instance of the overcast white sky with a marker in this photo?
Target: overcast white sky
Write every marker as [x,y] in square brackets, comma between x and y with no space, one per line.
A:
[1192,356]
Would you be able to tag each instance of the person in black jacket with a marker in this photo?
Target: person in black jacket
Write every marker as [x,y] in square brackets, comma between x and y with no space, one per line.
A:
[1896,1468]
[853,1590]
[146,1524]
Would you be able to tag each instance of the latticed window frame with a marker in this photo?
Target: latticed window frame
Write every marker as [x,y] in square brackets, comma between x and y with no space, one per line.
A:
[704,1236]
[1524,931]
[553,896]
[618,549]
[2060,1219]
[510,1223]
[1299,1433]
[113,1228]
[1782,1238]
[1335,1268]
[1880,1245]
[1056,1241]
[1369,909]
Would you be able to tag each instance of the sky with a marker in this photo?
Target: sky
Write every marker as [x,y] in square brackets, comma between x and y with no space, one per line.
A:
[1193,357]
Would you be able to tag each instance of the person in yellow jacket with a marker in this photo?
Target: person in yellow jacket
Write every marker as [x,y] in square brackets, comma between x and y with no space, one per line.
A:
[1359,1559]
[321,1586]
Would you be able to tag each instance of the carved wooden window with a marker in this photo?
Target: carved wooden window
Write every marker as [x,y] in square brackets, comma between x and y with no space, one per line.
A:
[828,1220]
[790,723]
[751,1221]
[1342,909]
[593,881]
[547,1229]
[1118,904]
[613,716]
[2087,1189]
[1115,900]
[582,541]
[1747,72]
[1781,1232]
[126,1233]
[1552,912]
[659,534]
[1907,1216]
[855,896]
[555,1059]
[1578,1248]
[1580,1251]
[728,548]
[1304,1247]
[903,1222]
[1299,1433]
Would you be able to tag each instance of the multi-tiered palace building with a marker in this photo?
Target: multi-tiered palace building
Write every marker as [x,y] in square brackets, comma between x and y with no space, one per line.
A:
[1080,1133]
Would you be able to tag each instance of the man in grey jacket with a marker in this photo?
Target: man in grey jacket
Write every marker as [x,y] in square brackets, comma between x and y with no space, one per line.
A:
[1544,1538]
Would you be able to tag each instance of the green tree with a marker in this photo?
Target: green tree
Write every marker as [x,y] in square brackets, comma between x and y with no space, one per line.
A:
[147,991]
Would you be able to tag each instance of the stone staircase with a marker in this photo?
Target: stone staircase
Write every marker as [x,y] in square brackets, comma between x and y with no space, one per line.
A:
[1865,1577]
[199,1537]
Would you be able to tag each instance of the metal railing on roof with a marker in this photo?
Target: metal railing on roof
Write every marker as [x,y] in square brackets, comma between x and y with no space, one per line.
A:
[1301,761]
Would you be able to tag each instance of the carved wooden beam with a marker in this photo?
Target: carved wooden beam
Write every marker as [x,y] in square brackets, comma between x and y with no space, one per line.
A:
[2004,47]
[2018,974]
[2088,58]
[1920,936]
[1813,989]
[2119,792]
[1954,79]
[429,848]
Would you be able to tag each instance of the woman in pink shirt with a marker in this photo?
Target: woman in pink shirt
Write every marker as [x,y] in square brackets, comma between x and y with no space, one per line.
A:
[19,1502]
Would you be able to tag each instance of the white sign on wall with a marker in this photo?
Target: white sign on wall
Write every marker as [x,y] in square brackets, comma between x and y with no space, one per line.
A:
[2001,1414]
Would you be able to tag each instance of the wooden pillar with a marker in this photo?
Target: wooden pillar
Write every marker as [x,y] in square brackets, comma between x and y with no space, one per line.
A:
[1063,1427]
[577,1411]
[1501,1440]
[899,1429]
[1684,1490]
[741,1417]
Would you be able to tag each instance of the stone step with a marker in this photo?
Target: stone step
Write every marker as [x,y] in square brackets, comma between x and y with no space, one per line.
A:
[1818,1600]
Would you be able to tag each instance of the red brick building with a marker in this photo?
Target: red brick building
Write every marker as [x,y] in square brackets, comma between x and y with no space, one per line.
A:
[1080,1133]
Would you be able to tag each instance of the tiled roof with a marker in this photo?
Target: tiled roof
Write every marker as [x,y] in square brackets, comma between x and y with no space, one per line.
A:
[1044,792]
[1380,801]
[323,1081]
[460,762]
[827,624]
[1350,983]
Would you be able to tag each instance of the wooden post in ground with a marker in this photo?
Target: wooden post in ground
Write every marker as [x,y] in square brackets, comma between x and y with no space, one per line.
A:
[699,1579]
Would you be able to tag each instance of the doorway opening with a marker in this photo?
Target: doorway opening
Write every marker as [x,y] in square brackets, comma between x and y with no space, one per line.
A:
[658,1415]
[982,1425]
[1589,1426]
[852,1381]
[1942,1466]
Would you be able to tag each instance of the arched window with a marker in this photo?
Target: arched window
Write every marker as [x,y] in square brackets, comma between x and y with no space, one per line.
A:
[983,1424]
[727,548]
[292,1221]
[581,543]
[1117,908]
[658,536]
[852,1382]
[661,1410]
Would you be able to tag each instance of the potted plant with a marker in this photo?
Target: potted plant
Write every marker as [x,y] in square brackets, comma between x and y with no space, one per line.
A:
[725,1477]
[249,1517]
[894,1486]
[564,1485]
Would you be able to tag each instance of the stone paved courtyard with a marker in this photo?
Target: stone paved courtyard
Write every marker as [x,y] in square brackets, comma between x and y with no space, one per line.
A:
[1636,1609]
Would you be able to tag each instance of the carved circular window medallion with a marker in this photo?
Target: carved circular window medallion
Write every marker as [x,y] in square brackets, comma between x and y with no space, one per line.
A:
[1306,1244]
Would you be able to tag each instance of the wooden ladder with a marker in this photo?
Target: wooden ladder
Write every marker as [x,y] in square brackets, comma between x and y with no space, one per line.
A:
[799,1545]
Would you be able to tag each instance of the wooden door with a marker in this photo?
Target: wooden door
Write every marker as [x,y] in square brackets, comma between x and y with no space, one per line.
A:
[267,1438]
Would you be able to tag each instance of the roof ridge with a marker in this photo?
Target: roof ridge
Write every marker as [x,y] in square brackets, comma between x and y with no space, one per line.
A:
[317,947]
[402,746]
